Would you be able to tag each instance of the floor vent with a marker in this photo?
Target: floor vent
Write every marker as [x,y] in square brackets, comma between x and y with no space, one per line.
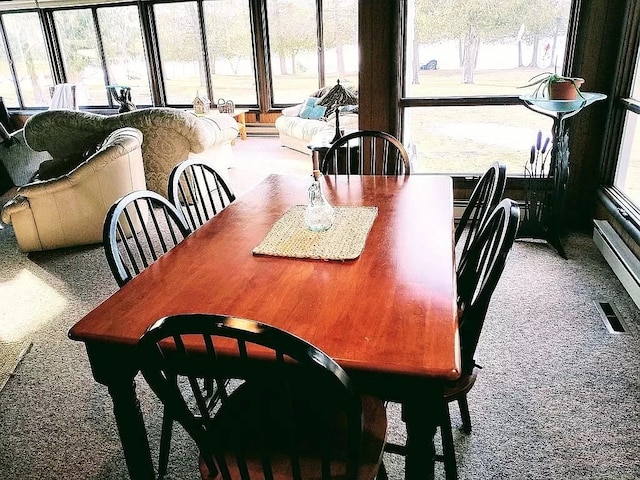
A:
[611,318]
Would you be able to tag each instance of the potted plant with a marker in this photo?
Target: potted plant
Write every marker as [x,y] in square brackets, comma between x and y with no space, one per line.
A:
[552,86]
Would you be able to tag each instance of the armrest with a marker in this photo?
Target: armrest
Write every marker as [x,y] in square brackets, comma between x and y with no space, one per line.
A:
[292,111]
[13,206]
[216,129]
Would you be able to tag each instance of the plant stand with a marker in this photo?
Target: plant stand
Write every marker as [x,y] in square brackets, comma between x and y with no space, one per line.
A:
[544,192]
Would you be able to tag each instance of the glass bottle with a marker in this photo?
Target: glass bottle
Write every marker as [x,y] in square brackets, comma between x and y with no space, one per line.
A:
[319,214]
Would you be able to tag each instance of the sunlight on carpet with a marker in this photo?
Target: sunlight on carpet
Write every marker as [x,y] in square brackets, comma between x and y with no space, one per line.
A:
[10,356]
[22,310]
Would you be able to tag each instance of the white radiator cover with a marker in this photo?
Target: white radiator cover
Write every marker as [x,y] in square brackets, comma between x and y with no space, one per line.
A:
[621,259]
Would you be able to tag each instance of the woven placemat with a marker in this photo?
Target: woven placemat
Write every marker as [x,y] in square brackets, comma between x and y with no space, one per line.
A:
[290,237]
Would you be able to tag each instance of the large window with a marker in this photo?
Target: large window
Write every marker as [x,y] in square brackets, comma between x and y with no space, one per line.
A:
[124,51]
[101,47]
[627,177]
[340,35]
[29,57]
[260,54]
[299,63]
[293,32]
[179,42]
[231,61]
[80,55]
[465,65]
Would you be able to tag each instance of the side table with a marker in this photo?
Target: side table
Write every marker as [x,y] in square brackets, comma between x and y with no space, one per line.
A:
[319,145]
[548,225]
[321,142]
[239,115]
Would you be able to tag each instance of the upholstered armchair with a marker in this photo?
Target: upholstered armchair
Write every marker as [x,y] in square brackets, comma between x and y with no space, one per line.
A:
[170,136]
[69,209]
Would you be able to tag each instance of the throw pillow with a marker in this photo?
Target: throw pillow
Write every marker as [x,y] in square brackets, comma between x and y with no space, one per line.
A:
[310,110]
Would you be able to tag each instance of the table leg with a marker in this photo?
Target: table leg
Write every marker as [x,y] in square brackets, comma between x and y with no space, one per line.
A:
[242,119]
[421,419]
[116,368]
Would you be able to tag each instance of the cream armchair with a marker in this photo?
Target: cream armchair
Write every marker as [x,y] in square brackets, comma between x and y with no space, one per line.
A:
[70,209]
[170,136]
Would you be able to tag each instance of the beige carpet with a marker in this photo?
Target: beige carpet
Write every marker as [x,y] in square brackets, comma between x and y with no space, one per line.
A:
[10,355]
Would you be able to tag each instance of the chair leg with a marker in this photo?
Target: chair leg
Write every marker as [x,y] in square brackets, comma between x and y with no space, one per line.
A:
[464,414]
[382,472]
[448,449]
[165,444]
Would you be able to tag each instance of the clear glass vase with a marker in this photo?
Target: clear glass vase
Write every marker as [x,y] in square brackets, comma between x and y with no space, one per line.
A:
[319,214]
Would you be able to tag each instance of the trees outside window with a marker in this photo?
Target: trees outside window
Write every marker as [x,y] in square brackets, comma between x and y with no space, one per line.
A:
[299,62]
[191,47]
[80,55]
[340,37]
[293,32]
[181,52]
[477,55]
[29,57]
[231,60]
[124,51]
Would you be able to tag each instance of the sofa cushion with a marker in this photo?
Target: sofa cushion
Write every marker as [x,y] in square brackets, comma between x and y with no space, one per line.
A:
[310,109]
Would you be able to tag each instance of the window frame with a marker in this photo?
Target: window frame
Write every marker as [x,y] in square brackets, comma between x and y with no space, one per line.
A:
[614,199]
[9,55]
[146,17]
[404,102]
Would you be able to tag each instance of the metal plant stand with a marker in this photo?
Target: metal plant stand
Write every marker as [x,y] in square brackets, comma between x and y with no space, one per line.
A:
[544,190]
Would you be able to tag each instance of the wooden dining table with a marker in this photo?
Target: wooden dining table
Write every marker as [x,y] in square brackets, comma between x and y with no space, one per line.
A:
[388,317]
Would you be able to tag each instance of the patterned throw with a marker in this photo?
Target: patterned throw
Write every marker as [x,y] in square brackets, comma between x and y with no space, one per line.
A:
[290,237]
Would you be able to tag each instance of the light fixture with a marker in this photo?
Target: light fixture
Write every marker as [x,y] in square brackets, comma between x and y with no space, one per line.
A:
[335,98]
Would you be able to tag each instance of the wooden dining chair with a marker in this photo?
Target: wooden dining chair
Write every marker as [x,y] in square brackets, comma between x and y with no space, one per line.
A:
[366,152]
[484,197]
[139,228]
[477,278]
[292,415]
[199,191]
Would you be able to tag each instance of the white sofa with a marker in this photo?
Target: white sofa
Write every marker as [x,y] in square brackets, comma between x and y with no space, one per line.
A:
[296,132]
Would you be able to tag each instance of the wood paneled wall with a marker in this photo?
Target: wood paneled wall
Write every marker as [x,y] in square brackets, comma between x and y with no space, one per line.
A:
[380,64]
[594,58]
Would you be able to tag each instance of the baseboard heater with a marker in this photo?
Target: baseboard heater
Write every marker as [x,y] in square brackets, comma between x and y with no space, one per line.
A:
[623,262]
[261,129]
[458,209]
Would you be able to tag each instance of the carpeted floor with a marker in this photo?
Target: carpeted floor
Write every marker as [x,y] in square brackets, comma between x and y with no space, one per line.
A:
[10,355]
[558,397]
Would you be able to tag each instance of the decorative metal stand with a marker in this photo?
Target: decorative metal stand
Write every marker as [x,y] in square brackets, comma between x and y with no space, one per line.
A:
[544,190]
[122,95]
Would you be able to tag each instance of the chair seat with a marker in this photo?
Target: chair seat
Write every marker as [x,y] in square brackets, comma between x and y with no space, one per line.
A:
[238,417]
[460,387]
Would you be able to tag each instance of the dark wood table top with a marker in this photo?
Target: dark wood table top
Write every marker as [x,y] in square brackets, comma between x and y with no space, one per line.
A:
[391,311]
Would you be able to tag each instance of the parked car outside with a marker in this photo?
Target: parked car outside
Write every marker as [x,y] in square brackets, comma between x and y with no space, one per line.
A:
[430,65]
